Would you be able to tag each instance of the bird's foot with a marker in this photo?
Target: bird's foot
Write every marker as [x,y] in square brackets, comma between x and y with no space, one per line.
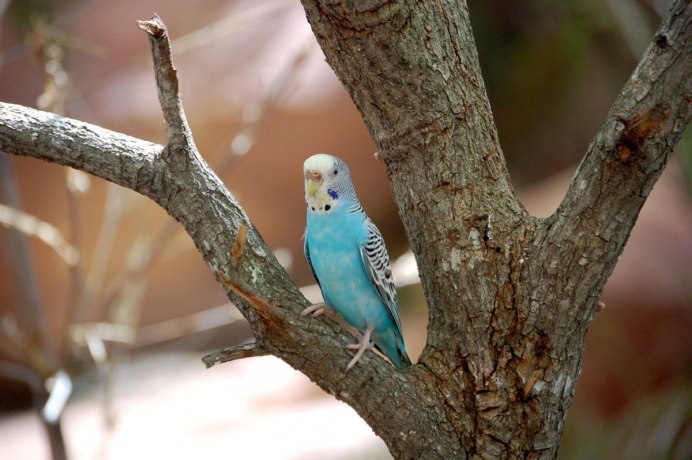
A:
[362,346]
[319,309]
[356,346]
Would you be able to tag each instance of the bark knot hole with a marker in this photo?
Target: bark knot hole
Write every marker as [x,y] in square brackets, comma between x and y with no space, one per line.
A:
[661,41]
[637,129]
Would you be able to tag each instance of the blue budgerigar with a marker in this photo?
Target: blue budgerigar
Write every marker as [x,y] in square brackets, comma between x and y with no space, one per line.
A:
[347,255]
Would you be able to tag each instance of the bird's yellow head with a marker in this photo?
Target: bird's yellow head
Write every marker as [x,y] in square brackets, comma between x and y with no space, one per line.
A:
[325,176]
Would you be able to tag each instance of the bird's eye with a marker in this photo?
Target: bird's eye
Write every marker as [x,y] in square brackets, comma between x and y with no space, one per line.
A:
[336,171]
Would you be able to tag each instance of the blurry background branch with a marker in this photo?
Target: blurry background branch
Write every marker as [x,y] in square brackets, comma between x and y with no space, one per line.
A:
[29,336]
[31,226]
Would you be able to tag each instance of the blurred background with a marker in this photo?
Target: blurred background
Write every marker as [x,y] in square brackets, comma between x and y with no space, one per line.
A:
[106,307]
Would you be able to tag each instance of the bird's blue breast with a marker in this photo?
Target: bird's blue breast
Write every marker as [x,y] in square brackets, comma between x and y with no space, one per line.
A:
[335,240]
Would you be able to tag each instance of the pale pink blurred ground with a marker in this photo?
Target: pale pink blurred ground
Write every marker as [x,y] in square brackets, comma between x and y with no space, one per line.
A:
[168,406]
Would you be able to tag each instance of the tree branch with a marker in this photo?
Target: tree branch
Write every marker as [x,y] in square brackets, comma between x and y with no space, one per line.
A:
[625,159]
[228,354]
[30,307]
[630,151]
[179,134]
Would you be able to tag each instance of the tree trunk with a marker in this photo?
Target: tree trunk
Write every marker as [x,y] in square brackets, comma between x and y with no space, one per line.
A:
[510,296]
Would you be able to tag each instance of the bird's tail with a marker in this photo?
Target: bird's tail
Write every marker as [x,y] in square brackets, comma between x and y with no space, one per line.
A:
[394,349]
[402,357]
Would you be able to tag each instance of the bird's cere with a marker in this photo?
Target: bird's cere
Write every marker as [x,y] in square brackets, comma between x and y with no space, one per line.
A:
[313,181]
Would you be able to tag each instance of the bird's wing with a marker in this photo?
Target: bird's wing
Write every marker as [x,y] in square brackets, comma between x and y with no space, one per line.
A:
[306,251]
[376,261]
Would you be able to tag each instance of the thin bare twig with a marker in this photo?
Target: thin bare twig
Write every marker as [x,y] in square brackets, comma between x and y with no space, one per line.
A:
[13,341]
[29,225]
[248,17]
[112,215]
[253,114]
[74,191]
[233,353]
[205,320]
[179,136]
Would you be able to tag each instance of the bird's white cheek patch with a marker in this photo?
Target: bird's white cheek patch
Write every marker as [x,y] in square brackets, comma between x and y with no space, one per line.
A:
[323,200]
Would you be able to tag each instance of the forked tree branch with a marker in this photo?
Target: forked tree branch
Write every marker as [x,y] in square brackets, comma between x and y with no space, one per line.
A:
[588,231]
[632,147]
[179,134]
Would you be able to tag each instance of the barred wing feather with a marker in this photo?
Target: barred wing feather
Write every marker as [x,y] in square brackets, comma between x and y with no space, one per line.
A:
[376,261]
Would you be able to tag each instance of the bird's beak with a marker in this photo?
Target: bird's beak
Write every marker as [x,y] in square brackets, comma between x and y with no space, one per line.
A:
[313,181]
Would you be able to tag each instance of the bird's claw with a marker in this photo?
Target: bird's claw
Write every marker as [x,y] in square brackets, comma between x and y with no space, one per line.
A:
[362,346]
[356,346]
[319,309]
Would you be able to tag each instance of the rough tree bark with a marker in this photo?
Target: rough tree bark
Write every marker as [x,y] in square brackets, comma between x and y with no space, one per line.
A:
[510,295]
